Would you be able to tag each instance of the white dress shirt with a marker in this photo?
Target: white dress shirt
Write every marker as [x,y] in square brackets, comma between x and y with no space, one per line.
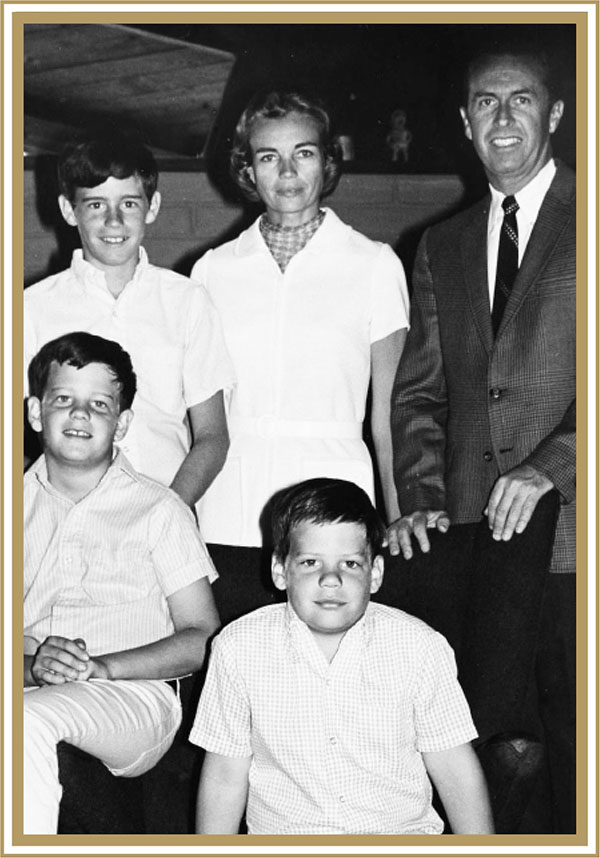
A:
[171,330]
[530,199]
[101,569]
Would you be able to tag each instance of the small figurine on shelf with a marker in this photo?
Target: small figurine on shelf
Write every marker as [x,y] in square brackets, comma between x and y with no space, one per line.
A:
[346,142]
[346,124]
[399,136]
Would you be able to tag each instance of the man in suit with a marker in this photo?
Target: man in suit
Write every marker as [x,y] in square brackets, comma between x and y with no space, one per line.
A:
[483,417]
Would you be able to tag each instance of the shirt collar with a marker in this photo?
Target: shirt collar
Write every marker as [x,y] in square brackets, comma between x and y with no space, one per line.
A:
[529,198]
[39,470]
[285,242]
[119,464]
[331,230]
[89,275]
[304,646]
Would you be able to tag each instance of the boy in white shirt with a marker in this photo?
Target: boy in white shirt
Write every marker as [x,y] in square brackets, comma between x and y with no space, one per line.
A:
[166,322]
[329,714]
[116,580]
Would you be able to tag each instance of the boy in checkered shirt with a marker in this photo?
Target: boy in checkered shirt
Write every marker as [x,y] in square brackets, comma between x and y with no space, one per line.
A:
[331,714]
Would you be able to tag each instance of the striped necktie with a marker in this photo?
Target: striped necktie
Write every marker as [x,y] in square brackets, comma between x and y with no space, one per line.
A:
[508,260]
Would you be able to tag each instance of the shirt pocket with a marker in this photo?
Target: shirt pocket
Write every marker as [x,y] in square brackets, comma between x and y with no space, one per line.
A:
[118,576]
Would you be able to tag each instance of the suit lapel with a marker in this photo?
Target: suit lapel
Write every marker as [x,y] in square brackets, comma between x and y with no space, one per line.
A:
[551,221]
[474,262]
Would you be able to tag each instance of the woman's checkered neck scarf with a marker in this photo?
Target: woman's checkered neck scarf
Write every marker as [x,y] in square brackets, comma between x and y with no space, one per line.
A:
[284,242]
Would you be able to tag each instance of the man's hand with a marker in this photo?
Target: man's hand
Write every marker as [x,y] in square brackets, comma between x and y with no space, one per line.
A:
[513,500]
[58,660]
[416,524]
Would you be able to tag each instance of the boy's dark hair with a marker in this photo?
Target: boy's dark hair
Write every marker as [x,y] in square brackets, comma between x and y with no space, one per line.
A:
[276,105]
[92,161]
[323,500]
[79,349]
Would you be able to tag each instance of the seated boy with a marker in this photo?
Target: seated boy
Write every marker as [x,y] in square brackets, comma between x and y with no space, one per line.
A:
[329,715]
[117,596]
[165,321]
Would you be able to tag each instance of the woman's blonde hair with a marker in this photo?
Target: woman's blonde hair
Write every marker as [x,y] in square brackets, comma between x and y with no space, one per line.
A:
[276,105]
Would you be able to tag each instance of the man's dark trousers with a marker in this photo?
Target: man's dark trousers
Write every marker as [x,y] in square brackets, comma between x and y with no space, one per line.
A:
[497,605]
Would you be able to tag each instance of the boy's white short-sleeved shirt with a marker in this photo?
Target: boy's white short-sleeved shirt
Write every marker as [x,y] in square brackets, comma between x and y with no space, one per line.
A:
[103,568]
[300,342]
[171,330]
[336,747]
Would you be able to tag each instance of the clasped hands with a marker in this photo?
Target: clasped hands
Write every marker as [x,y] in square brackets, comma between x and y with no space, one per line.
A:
[58,660]
[512,501]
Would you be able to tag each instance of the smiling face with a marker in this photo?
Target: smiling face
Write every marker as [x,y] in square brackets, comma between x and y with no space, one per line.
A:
[111,219]
[79,416]
[287,167]
[329,575]
[509,117]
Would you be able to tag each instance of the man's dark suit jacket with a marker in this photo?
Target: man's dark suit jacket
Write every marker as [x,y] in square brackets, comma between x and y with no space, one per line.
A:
[467,408]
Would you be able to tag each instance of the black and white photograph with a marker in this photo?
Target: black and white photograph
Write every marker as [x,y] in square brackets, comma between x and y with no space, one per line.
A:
[300,310]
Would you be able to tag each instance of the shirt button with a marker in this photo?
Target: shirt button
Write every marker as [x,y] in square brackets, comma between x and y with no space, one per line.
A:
[333,740]
[495,393]
[488,456]
[342,798]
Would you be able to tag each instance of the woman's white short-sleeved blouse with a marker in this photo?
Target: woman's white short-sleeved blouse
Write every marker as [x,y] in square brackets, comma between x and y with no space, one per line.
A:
[300,342]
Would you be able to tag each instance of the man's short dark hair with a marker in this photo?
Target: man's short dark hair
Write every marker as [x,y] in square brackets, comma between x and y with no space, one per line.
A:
[79,349]
[323,500]
[90,162]
[277,105]
[520,48]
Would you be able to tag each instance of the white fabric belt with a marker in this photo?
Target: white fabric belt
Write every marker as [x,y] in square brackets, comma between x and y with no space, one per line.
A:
[273,427]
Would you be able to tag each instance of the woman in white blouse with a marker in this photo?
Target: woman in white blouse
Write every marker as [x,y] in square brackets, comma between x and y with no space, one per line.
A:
[313,313]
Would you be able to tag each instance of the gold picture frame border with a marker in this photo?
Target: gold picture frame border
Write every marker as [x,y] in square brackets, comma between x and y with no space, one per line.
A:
[312,11]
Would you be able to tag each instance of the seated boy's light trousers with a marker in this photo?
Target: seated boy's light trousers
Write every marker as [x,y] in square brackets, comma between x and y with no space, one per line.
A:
[127,724]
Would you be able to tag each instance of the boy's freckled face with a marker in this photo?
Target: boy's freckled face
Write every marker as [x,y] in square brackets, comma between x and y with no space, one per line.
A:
[79,415]
[111,219]
[329,575]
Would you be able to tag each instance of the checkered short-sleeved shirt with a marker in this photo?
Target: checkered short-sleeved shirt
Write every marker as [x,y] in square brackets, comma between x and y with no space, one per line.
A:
[336,747]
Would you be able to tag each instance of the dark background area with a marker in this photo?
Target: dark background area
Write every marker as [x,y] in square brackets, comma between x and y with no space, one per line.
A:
[365,71]
[183,85]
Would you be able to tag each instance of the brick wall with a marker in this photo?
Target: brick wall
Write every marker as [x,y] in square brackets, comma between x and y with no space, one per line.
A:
[194,216]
